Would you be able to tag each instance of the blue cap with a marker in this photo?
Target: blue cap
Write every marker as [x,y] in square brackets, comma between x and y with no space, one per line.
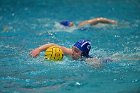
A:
[84,46]
[65,23]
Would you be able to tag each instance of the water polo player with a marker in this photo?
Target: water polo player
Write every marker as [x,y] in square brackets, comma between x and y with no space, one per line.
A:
[80,49]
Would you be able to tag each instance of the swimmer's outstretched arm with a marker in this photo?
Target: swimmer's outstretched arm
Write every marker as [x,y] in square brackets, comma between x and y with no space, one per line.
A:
[96,21]
[97,62]
[102,20]
[93,62]
[36,51]
[125,57]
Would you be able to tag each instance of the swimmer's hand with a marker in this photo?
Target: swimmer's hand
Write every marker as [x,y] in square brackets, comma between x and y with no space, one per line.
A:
[35,52]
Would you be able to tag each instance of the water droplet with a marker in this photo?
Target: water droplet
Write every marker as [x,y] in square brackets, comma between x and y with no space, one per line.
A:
[77,83]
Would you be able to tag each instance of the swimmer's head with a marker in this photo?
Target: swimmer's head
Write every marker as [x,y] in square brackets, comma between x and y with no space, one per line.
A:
[81,49]
[67,23]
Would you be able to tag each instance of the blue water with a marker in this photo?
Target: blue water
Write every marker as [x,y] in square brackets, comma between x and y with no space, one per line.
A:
[27,24]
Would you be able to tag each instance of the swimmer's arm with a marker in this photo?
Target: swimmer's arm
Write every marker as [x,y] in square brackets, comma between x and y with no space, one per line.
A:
[46,46]
[96,21]
[101,20]
[95,62]
[83,23]
[125,57]
[66,51]
[36,52]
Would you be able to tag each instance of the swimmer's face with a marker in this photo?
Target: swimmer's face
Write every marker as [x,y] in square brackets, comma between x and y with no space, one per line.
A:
[76,53]
[71,24]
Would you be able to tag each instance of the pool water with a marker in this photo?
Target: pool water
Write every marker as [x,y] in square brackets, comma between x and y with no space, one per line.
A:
[27,24]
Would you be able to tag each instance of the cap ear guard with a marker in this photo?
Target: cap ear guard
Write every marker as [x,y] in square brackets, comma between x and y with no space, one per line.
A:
[85,54]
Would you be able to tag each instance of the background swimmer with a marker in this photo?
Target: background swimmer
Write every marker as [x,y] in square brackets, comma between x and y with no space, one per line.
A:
[80,49]
[91,22]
